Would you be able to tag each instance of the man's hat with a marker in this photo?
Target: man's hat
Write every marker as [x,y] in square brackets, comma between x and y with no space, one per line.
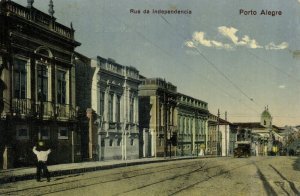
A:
[41,143]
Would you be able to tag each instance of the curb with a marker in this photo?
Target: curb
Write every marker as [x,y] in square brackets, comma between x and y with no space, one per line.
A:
[30,176]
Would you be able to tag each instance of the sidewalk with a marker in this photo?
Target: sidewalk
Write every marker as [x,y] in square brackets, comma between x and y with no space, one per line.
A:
[18,174]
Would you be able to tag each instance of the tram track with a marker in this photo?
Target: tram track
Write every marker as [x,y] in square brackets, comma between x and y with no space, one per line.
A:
[268,188]
[75,184]
[178,190]
[203,170]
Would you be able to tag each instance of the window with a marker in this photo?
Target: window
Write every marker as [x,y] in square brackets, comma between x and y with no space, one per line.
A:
[161,113]
[131,141]
[111,141]
[118,109]
[42,83]
[61,87]
[183,125]
[161,141]
[44,134]
[111,107]
[187,125]
[102,94]
[20,79]
[22,134]
[63,134]
[191,129]
[131,110]
[119,142]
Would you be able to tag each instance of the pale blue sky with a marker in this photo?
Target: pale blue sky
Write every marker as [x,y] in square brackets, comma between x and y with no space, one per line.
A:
[156,46]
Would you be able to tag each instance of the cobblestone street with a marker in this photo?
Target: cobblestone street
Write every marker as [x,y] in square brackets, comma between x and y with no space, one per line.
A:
[211,176]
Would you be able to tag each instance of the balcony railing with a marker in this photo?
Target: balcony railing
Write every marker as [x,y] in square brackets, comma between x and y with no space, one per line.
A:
[43,110]
[39,18]
[21,107]
[65,112]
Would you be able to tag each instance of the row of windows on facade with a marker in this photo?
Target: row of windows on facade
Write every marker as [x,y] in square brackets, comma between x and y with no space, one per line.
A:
[44,134]
[170,115]
[117,110]
[186,125]
[20,82]
[116,142]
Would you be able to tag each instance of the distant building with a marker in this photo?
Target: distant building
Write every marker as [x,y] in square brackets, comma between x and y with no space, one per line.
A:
[192,125]
[37,96]
[220,136]
[263,135]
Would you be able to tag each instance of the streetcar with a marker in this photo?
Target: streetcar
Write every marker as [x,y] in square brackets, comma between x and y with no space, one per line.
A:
[242,149]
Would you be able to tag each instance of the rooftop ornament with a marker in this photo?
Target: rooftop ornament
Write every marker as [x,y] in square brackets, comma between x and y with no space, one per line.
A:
[51,10]
[30,3]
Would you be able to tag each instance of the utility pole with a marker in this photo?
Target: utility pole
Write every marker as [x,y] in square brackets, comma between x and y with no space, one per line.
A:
[126,117]
[165,121]
[167,125]
[226,150]
[218,129]
[100,121]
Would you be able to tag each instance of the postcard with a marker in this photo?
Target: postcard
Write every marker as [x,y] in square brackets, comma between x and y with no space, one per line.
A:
[154,97]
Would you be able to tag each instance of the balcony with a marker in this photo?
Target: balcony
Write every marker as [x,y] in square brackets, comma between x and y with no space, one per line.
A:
[21,107]
[45,110]
[65,112]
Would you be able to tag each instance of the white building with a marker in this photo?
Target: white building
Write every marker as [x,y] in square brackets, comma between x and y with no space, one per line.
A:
[114,102]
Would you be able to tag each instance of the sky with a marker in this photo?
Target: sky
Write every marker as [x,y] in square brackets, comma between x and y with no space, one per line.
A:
[220,53]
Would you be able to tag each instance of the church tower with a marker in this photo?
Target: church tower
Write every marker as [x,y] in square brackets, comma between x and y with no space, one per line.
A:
[266,118]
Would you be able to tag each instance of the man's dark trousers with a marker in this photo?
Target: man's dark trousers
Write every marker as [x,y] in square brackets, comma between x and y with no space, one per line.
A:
[41,165]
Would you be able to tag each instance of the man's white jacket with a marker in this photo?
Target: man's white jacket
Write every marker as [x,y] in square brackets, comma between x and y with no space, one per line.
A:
[41,155]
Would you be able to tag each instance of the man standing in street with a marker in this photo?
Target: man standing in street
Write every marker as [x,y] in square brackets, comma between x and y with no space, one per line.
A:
[42,157]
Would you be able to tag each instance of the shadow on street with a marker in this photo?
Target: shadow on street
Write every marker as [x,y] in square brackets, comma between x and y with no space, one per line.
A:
[267,186]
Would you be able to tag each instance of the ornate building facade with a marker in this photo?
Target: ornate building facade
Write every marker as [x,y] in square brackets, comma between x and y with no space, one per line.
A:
[192,115]
[37,98]
[113,117]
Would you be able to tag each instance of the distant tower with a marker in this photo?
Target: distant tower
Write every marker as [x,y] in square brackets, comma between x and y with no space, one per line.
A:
[51,10]
[30,3]
[266,118]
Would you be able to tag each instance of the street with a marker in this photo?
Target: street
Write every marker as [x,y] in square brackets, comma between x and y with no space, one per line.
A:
[210,176]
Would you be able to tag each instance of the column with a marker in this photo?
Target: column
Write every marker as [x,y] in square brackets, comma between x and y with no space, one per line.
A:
[193,134]
[89,114]
[145,143]
[114,106]
[105,112]
[153,141]
[206,134]
[136,110]
[7,158]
